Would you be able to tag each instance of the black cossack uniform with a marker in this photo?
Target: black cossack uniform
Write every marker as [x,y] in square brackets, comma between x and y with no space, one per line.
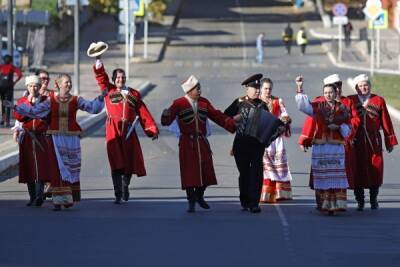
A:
[248,152]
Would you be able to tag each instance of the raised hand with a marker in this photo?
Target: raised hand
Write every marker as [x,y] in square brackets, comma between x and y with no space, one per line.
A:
[299,82]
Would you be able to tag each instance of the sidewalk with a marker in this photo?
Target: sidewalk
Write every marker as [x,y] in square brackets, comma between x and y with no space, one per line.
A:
[357,55]
[62,62]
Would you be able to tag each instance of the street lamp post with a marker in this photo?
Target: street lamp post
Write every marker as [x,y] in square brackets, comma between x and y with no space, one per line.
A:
[10,19]
[76,48]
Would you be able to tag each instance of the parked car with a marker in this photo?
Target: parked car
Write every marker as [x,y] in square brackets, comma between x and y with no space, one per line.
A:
[17,51]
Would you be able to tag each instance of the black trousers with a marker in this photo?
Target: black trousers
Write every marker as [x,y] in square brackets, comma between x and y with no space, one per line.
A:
[288,45]
[373,193]
[248,153]
[195,193]
[6,93]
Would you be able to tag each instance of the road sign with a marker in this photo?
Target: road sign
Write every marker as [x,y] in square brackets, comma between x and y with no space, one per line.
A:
[340,20]
[140,11]
[339,9]
[373,9]
[81,3]
[381,22]
[136,5]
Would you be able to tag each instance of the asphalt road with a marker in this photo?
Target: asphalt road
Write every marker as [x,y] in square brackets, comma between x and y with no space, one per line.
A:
[215,40]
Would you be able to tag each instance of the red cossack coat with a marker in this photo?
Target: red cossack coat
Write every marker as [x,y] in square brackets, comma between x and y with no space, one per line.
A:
[367,147]
[195,155]
[309,129]
[35,154]
[124,154]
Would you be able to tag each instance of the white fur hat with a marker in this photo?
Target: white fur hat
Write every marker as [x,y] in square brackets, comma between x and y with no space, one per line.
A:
[360,78]
[96,49]
[32,79]
[334,78]
[190,83]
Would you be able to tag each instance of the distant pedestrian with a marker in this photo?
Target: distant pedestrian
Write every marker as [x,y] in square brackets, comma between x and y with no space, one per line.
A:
[260,48]
[191,113]
[302,40]
[7,82]
[287,37]
[347,28]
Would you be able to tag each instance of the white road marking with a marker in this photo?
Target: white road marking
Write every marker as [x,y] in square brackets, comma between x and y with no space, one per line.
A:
[281,216]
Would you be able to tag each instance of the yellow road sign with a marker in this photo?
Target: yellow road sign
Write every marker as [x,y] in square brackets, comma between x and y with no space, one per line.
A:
[381,23]
[140,11]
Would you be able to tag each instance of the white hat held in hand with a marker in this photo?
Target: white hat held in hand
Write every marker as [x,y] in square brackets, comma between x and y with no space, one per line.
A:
[190,83]
[96,49]
[331,79]
[32,79]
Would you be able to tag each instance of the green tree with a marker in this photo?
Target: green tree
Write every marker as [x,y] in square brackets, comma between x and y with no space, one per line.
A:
[105,6]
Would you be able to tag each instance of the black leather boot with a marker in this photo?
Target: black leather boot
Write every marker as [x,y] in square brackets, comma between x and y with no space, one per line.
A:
[359,194]
[39,193]
[191,197]
[200,198]
[126,179]
[373,197]
[32,193]
[117,183]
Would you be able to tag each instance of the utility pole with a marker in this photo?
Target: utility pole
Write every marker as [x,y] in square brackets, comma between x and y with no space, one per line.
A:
[146,28]
[127,39]
[76,48]
[10,23]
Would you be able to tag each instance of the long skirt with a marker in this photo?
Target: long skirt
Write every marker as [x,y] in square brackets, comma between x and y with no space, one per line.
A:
[277,176]
[329,176]
[65,188]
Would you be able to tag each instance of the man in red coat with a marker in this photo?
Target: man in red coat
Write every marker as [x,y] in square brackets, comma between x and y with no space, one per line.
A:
[124,108]
[191,112]
[368,168]
[7,82]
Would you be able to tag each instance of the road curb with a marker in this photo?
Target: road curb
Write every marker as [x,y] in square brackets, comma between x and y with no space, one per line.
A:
[11,159]
[392,111]
[333,60]
[326,36]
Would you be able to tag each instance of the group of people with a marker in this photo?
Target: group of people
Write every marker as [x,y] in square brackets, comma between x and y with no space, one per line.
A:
[301,39]
[342,131]
[288,37]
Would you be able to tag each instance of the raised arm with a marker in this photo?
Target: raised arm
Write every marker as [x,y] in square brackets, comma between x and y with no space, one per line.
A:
[101,75]
[91,106]
[302,101]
